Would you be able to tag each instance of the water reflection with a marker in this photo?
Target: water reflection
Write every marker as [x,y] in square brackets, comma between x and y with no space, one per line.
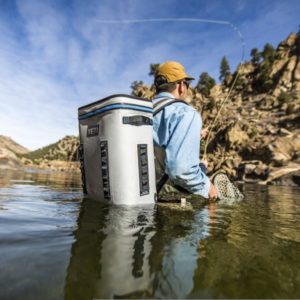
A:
[111,252]
[179,253]
[136,252]
[243,258]
[35,225]
[47,178]
[56,246]
[285,214]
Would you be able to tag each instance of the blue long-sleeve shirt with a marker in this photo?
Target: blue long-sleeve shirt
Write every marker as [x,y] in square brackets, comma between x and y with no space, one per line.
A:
[177,130]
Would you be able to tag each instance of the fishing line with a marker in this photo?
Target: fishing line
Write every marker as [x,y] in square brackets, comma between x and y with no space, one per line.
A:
[214,121]
[195,20]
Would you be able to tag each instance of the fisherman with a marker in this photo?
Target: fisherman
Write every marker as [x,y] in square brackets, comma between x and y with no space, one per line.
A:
[177,128]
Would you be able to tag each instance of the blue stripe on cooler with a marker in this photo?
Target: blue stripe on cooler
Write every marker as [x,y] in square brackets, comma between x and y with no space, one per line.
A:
[115,106]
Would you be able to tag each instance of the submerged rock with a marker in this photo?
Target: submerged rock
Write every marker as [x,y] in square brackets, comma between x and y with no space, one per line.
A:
[176,206]
[290,173]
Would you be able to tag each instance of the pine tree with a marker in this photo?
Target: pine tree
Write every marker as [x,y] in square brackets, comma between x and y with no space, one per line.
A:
[255,56]
[264,81]
[205,84]
[224,69]
[268,53]
[153,69]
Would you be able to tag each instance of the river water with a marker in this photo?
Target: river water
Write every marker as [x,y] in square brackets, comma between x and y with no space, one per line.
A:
[54,244]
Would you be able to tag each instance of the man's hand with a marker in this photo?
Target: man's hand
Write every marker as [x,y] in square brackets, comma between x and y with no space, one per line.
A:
[212,194]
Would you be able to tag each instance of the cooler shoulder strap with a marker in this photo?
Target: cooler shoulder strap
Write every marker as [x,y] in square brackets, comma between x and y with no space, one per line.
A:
[161,104]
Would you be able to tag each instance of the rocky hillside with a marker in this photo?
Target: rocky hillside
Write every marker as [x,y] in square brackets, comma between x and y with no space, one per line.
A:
[61,155]
[9,144]
[257,136]
[9,151]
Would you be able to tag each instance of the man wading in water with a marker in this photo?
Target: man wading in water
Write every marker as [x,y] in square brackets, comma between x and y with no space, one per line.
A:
[177,127]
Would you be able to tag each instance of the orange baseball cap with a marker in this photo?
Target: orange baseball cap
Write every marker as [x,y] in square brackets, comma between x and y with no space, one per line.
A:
[173,71]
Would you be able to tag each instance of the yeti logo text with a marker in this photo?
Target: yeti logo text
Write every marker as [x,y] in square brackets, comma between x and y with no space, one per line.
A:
[92,130]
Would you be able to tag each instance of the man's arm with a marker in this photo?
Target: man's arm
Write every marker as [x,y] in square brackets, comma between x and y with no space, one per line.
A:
[182,152]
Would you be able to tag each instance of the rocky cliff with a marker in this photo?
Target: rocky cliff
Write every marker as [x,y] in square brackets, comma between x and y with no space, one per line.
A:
[257,136]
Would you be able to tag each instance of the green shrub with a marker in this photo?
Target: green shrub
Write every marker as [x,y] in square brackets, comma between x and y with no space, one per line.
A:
[284,97]
[40,153]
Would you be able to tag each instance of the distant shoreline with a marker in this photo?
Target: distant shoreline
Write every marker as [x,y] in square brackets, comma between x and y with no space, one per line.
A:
[62,167]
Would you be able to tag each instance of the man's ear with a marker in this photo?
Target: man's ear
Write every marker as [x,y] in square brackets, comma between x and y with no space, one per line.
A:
[180,88]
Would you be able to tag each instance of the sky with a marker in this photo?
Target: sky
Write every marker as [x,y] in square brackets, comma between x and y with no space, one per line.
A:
[56,55]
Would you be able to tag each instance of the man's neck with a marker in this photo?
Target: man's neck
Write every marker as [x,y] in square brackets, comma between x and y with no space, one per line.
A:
[165,94]
[170,94]
[175,94]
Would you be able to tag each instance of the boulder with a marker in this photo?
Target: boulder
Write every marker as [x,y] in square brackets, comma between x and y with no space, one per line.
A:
[216,91]
[287,76]
[284,149]
[296,75]
[278,65]
[254,170]
[284,174]
[287,44]
[246,69]
[284,132]
[235,136]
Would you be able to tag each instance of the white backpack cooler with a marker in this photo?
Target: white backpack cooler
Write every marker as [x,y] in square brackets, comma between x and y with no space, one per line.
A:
[116,150]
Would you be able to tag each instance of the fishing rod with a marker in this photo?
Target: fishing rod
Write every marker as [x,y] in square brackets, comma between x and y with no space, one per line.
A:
[212,125]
